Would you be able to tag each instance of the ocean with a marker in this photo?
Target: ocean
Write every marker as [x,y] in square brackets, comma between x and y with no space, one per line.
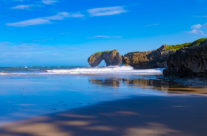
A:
[27,92]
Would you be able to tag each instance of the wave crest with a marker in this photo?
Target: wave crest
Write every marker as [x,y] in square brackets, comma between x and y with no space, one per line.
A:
[123,70]
[111,70]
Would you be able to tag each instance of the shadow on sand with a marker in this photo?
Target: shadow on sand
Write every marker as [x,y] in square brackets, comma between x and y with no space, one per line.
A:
[138,116]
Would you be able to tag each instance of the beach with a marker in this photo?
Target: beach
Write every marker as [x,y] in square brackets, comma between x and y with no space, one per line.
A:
[138,116]
[103,68]
[95,102]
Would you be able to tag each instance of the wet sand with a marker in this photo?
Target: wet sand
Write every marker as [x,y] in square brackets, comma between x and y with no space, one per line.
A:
[184,115]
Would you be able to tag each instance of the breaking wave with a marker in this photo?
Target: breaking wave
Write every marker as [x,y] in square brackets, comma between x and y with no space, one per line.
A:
[107,70]
[111,70]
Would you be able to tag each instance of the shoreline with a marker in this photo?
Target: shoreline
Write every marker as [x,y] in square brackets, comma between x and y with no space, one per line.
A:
[148,116]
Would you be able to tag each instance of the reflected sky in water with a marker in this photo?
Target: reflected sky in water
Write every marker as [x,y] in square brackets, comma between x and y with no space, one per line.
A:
[22,97]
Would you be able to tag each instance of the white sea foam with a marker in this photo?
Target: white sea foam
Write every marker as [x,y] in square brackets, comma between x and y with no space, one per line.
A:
[111,70]
[107,70]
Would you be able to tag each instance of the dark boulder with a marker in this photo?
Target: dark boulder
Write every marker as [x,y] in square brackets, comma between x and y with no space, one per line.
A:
[188,62]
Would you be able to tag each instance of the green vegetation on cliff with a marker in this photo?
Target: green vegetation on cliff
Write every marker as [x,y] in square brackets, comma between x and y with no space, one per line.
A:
[112,58]
[185,45]
[100,53]
[97,54]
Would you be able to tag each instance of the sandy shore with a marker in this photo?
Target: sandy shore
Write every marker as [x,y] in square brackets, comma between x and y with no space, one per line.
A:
[138,116]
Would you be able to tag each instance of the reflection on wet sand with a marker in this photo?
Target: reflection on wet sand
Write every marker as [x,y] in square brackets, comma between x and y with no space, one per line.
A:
[155,84]
[115,83]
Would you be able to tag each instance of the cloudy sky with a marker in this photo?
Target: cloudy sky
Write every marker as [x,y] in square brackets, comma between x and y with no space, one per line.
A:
[66,32]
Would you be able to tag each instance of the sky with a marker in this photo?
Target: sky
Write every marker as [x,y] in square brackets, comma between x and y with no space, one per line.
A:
[67,32]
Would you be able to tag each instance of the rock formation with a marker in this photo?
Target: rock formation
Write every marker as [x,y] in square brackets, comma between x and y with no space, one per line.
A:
[111,58]
[188,59]
[149,59]
[190,62]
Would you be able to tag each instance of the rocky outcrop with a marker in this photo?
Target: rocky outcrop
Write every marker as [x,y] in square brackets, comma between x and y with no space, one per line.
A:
[149,59]
[188,62]
[111,58]
[183,60]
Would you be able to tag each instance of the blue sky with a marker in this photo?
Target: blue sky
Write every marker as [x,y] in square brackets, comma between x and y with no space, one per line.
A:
[66,32]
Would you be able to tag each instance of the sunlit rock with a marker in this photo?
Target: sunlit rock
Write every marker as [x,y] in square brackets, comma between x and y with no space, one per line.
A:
[111,58]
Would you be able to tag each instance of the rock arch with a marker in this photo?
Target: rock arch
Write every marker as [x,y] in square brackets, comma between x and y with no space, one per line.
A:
[111,58]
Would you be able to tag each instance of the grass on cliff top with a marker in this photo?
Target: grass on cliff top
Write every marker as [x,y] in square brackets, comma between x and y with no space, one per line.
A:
[100,53]
[97,54]
[185,45]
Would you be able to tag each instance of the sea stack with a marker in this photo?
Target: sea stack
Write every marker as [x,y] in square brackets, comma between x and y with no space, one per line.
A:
[111,58]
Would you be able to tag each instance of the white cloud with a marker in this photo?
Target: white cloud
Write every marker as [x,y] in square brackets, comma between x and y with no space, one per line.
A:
[59,16]
[197,32]
[35,4]
[106,11]
[44,20]
[77,15]
[62,15]
[199,29]
[30,22]
[22,7]
[198,26]
[48,2]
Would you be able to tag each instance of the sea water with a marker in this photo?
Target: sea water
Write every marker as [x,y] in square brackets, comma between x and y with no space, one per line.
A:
[26,92]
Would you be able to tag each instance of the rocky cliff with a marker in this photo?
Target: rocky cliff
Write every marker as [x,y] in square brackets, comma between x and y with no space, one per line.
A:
[111,58]
[188,59]
[190,62]
[149,59]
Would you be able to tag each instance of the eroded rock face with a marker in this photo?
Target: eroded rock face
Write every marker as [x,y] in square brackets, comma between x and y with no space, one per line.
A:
[111,58]
[149,59]
[188,62]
